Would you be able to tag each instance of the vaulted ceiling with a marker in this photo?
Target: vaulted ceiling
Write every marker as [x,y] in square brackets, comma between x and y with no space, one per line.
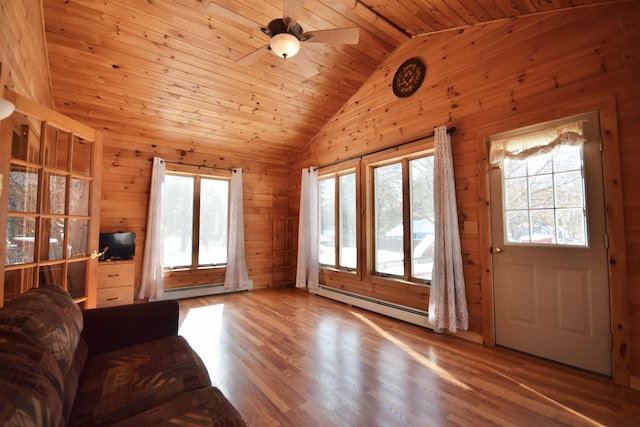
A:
[166,70]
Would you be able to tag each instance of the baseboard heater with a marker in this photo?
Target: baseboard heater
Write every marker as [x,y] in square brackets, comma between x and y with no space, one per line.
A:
[200,291]
[396,311]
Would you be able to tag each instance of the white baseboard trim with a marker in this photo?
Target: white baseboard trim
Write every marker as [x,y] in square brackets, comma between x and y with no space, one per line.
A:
[396,311]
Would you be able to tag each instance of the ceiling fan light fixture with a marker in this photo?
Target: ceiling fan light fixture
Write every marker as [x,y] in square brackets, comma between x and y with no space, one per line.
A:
[285,45]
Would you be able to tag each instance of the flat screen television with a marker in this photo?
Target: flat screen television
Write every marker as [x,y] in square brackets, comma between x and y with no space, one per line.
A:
[119,246]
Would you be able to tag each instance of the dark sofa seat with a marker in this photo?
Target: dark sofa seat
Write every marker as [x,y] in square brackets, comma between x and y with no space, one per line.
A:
[122,365]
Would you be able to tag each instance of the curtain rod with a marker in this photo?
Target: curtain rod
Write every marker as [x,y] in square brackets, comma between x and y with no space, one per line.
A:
[449,131]
[199,166]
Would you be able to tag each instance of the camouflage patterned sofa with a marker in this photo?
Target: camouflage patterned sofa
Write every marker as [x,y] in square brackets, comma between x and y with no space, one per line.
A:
[123,366]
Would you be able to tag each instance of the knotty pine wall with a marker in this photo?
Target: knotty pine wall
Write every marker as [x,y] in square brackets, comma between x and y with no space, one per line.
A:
[127,162]
[489,79]
[23,50]
[125,197]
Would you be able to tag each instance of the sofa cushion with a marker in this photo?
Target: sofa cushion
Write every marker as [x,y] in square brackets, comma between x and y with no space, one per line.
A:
[31,384]
[116,385]
[71,379]
[204,407]
[50,316]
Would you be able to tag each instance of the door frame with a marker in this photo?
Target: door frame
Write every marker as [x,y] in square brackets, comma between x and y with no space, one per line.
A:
[614,216]
[30,108]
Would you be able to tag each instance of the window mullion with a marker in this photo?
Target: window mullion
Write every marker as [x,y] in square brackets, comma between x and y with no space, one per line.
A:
[406,219]
[196,222]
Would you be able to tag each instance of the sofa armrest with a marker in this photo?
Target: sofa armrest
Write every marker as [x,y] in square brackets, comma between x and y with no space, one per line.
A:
[112,328]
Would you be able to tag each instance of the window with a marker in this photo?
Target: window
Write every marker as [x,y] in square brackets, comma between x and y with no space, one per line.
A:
[543,183]
[544,200]
[403,218]
[394,240]
[338,212]
[196,212]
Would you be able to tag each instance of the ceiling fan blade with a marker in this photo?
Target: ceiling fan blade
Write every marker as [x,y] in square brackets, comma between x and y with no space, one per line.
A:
[337,36]
[230,16]
[292,9]
[253,56]
[306,67]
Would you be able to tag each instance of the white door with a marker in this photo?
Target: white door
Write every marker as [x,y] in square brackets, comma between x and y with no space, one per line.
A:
[550,275]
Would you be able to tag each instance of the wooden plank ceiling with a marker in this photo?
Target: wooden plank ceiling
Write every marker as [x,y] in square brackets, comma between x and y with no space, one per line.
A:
[165,70]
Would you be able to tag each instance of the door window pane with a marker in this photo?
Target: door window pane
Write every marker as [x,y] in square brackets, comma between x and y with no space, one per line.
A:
[568,190]
[17,282]
[389,230]
[541,191]
[214,201]
[21,235]
[52,239]
[516,194]
[543,226]
[25,139]
[51,275]
[78,238]
[571,227]
[56,194]
[76,278]
[82,152]
[56,148]
[516,224]
[23,189]
[79,197]
[178,220]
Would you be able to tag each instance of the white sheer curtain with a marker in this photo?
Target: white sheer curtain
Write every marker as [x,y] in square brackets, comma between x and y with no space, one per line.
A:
[307,271]
[152,280]
[536,142]
[236,275]
[447,300]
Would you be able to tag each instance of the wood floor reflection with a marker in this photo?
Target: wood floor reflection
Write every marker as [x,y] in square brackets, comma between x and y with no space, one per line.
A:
[288,358]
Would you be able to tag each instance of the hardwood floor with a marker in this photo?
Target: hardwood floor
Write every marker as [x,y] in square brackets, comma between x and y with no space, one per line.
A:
[288,358]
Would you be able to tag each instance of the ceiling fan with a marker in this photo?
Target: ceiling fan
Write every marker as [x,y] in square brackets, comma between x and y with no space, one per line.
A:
[286,35]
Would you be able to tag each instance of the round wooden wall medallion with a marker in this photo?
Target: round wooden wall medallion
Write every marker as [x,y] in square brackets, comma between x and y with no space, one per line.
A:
[408,77]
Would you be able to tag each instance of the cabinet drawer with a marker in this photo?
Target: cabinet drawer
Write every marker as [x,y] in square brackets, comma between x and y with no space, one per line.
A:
[115,274]
[115,296]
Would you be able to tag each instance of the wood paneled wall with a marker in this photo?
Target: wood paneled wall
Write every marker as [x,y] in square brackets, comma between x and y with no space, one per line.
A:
[488,79]
[483,79]
[23,50]
[125,196]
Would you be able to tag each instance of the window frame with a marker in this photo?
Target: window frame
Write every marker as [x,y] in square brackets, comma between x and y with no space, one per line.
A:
[404,157]
[179,270]
[336,175]
[365,215]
